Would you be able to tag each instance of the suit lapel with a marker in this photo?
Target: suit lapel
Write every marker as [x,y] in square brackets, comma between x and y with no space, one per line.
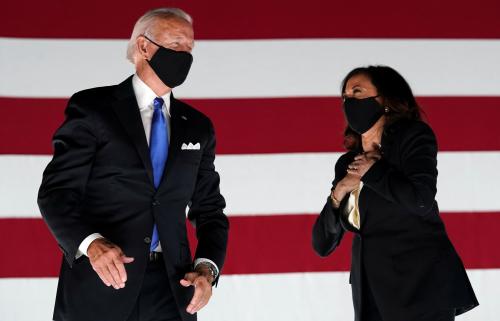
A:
[127,112]
[178,129]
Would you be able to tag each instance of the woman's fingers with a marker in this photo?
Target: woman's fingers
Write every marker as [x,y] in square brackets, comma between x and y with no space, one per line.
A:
[368,155]
[374,154]
[355,165]
[355,173]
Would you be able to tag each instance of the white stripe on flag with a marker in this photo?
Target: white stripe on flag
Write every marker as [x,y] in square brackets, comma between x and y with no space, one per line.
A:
[263,297]
[255,68]
[279,183]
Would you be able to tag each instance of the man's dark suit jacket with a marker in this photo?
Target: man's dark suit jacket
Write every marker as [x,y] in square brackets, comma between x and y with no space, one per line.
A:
[402,247]
[100,180]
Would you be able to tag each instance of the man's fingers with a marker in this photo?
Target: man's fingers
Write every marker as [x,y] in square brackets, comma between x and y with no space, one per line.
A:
[127,259]
[202,302]
[191,276]
[189,279]
[102,277]
[206,293]
[107,275]
[202,291]
[118,283]
[108,261]
[198,294]
[122,274]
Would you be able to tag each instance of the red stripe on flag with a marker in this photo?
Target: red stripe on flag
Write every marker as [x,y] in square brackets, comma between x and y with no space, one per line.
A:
[280,125]
[257,244]
[259,19]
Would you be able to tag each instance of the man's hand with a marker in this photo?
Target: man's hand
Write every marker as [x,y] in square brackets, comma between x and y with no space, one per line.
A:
[107,260]
[202,281]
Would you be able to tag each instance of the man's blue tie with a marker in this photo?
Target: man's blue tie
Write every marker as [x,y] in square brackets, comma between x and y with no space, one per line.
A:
[158,150]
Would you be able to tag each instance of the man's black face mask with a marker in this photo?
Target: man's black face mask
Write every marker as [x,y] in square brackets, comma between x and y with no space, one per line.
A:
[172,67]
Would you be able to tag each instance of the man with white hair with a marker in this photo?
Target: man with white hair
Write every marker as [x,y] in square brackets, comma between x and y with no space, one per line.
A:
[127,162]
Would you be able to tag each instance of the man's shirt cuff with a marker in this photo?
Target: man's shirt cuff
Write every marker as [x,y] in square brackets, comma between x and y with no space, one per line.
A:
[82,249]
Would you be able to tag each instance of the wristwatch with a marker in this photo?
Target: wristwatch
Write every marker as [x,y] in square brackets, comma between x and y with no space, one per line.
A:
[211,268]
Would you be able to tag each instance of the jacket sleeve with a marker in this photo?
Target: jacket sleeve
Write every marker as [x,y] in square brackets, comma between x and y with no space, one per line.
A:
[413,186]
[206,210]
[327,231]
[64,180]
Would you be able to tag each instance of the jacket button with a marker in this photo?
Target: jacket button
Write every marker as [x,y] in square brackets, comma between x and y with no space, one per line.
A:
[156,202]
[147,240]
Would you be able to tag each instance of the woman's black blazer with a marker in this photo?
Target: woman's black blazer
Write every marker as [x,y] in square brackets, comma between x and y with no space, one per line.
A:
[402,247]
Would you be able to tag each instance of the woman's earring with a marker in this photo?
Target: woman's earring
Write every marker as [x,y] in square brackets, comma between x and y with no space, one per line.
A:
[386,109]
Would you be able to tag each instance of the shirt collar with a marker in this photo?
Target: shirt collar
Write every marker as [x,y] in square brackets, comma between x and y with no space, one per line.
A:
[145,95]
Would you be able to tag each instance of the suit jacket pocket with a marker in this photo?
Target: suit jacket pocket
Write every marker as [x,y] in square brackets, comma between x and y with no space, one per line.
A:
[190,157]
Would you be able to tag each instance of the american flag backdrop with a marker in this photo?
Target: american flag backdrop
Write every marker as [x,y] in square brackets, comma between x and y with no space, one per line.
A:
[268,74]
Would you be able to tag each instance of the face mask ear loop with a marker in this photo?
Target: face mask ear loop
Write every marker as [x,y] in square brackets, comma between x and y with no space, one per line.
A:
[154,43]
[151,41]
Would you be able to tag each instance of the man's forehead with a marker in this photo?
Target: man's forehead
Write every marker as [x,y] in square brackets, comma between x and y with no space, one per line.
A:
[173,26]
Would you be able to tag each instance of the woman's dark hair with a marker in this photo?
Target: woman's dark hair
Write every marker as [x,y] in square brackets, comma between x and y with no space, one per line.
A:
[395,92]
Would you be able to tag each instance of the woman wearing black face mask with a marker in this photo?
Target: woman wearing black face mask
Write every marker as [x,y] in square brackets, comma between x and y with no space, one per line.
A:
[404,267]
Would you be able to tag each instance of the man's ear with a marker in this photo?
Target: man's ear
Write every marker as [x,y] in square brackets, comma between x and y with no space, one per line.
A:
[142,47]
